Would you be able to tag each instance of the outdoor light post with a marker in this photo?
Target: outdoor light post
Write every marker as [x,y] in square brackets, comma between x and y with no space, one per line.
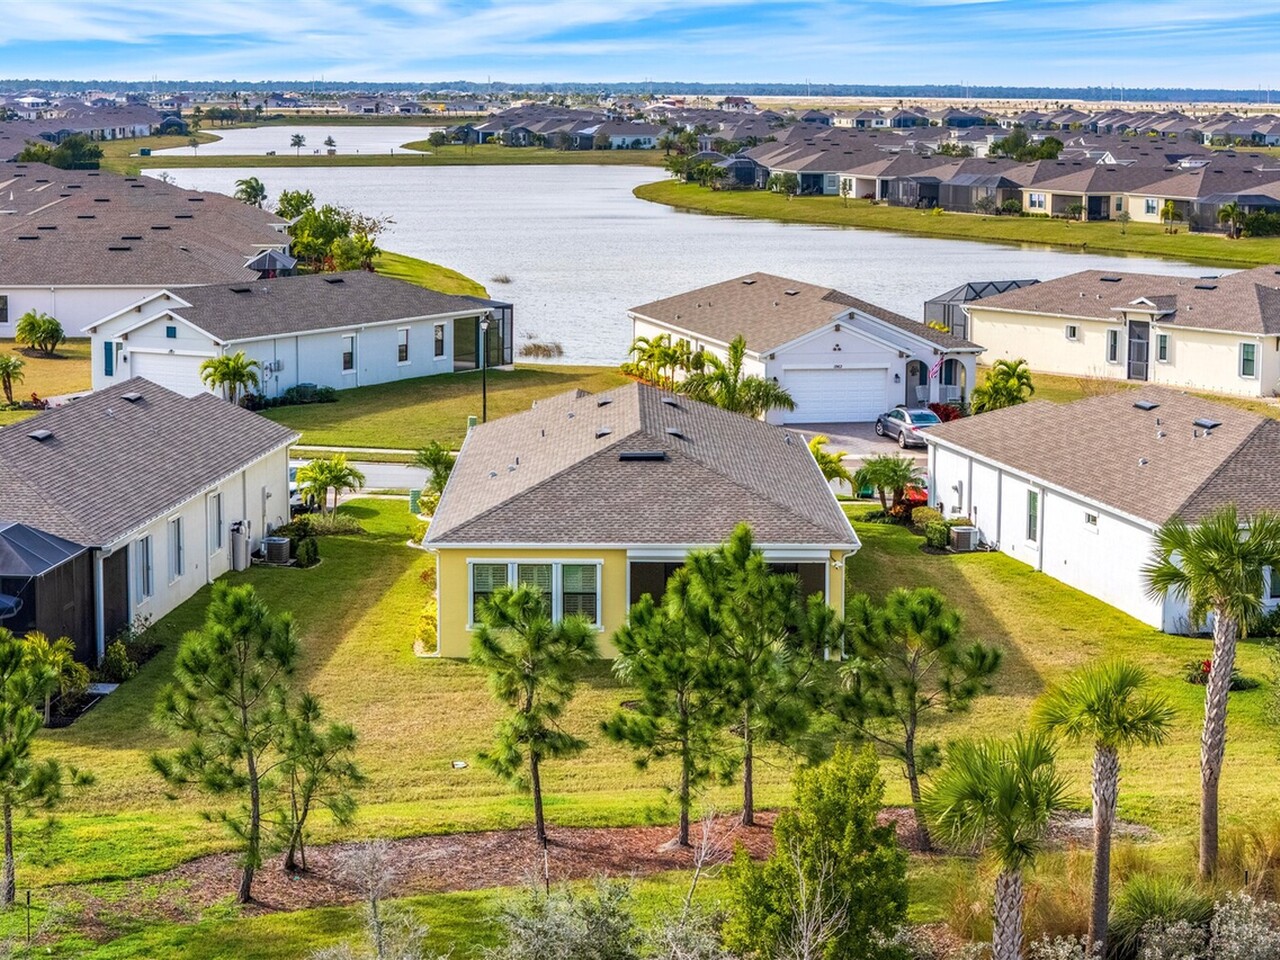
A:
[484,368]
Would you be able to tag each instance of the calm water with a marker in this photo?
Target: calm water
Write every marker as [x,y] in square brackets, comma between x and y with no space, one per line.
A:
[580,249]
[258,140]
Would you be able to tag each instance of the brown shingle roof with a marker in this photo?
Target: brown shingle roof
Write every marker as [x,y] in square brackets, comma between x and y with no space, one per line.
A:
[554,475]
[1096,448]
[111,465]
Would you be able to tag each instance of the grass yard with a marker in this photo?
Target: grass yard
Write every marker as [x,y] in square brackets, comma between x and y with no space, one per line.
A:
[1101,236]
[1062,389]
[411,413]
[426,274]
[67,372]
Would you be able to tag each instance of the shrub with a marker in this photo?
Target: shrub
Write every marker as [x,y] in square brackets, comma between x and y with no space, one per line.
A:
[117,666]
[1012,206]
[1159,899]
[1250,857]
[946,412]
[1266,624]
[923,516]
[428,626]
[937,535]
[1245,929]
[1197,672]
[308,552]
[1262,224]
[1174,941]
[39,331]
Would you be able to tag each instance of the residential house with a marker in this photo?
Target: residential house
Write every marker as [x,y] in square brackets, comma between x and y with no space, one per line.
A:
[1078,490]
[596,498]
[338,330]
[174,481]
[947,310]
[1217,334]
[841,359]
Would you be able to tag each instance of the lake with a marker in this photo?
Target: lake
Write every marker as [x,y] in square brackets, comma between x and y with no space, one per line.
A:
[248,141]
[579,249]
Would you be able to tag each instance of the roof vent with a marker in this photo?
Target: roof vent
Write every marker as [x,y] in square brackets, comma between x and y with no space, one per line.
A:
[184,216]
[334,280]
[1205,423]
[1109,279]
[603,432]
[195,199]
[132,237]
[627,455]
[672,402]
[604,401]
[1206,286]
[85,216]
[493,474]
[162,226]
[1143,461]
[1145,404]
[791,293]
[240,289]
[132,397]
[120,248]
[749,282]
[40,435]
[48,227]
[676,432]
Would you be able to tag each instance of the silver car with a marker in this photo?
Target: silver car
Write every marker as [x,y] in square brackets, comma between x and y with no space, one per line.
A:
[906,425]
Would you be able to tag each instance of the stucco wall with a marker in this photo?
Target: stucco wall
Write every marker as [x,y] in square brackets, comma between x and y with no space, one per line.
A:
[74,307]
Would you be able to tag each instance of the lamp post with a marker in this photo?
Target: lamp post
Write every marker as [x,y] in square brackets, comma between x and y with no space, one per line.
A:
[484,367]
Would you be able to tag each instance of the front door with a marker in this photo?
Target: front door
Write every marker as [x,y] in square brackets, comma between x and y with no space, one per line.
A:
[917,392]
[1139,349]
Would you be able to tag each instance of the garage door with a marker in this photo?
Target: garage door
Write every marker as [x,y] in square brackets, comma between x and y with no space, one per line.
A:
[179,374]
[836,396]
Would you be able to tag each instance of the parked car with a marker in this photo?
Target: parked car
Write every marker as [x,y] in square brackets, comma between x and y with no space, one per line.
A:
[906,424]
[298,503]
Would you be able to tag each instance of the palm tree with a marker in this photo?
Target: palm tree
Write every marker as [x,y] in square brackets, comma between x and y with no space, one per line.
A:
[1231,214]
[10,373]
[999,795]
[194,144]
[1216,568]
[1168,214]
[334,473]
[231,373]
[667,143]
[1105,703]
[54,661]
[298,141]
[831,464]
[723,384]
[251,191]
[330,142]
[888,473]
[1007,384]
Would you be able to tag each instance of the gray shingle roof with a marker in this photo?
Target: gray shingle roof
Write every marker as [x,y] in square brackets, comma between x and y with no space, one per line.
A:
[554,475]
[111,465]
[288,305]
[771,311]
[1095,448]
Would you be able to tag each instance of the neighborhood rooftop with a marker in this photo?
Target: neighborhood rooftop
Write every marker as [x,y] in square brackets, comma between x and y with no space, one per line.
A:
[95,469]
[1145,452]
[770,311]
[309,302]
[633,466]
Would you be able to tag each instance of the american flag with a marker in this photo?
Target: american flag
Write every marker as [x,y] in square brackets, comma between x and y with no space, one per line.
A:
[933,371]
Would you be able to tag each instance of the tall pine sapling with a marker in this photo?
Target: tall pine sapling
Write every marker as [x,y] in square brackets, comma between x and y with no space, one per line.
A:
[682,711]
[228,698]
[909,658]
[26,784]
[532,664]
[318,770]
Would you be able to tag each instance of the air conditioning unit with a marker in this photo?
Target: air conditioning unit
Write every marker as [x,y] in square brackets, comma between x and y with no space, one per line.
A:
[964,539]
[277,549]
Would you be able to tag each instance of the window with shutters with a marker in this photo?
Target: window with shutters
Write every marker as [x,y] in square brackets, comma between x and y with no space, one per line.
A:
[579,591]
[485,578]
[539,575]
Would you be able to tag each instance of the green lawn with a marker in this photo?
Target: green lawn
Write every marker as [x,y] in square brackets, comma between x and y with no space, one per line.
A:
[411,413]
[66,372]
[1065,389]
[427,274]
[1098,236]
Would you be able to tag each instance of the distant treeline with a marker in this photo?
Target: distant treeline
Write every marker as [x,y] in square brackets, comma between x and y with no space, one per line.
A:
[951,91]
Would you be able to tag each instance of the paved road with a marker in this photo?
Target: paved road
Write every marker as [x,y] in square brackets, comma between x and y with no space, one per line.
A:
[386,476]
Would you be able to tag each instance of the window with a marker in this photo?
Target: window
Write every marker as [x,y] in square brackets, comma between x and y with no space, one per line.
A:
[144,579]
[439,340]
[537,575]
[215,523]
[1091,521]
[579,591]
[1119,204]
[171,332]
[1113,346]
[176,559]
[1033,516]
[402,345]
[1035,201]
[108,359]
[485,578]
[1150,207]
[4,309]
[1073,332]
[1162,347]
[1273,584]
[348,353]
[1249,360]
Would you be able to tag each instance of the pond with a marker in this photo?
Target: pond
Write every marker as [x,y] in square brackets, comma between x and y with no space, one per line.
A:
[573,249]
[247,141]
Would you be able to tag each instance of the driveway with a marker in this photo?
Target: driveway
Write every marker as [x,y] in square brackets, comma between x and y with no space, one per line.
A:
[857,440]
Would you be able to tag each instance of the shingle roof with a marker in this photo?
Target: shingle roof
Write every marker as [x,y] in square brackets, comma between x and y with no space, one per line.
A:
[1243,302]
[771,311]
[288,305]
[1097,447]
[111,464]
[554,475]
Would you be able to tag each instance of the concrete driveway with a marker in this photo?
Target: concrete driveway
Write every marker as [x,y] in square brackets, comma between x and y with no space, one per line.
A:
[857,440]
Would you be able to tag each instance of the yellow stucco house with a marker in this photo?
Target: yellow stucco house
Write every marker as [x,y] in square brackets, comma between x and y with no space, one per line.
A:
[596,498]
[1213,334]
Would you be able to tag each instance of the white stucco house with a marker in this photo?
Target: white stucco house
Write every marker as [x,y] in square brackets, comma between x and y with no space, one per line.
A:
[174,480]
[841,359]
[337,330]
[1216,334]
[1078,490]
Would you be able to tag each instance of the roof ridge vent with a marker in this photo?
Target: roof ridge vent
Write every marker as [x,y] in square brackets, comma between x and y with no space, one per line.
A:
[131,396]
[1145,404]
[40,436]
[642,455]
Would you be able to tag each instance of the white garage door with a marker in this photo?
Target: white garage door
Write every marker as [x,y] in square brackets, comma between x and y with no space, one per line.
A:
[835,396]
[179,374]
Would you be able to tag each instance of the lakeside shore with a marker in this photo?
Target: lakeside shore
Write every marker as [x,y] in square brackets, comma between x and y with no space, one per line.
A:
[1099,236]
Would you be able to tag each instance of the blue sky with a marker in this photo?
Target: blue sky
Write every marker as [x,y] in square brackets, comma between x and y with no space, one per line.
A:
[1197,43]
